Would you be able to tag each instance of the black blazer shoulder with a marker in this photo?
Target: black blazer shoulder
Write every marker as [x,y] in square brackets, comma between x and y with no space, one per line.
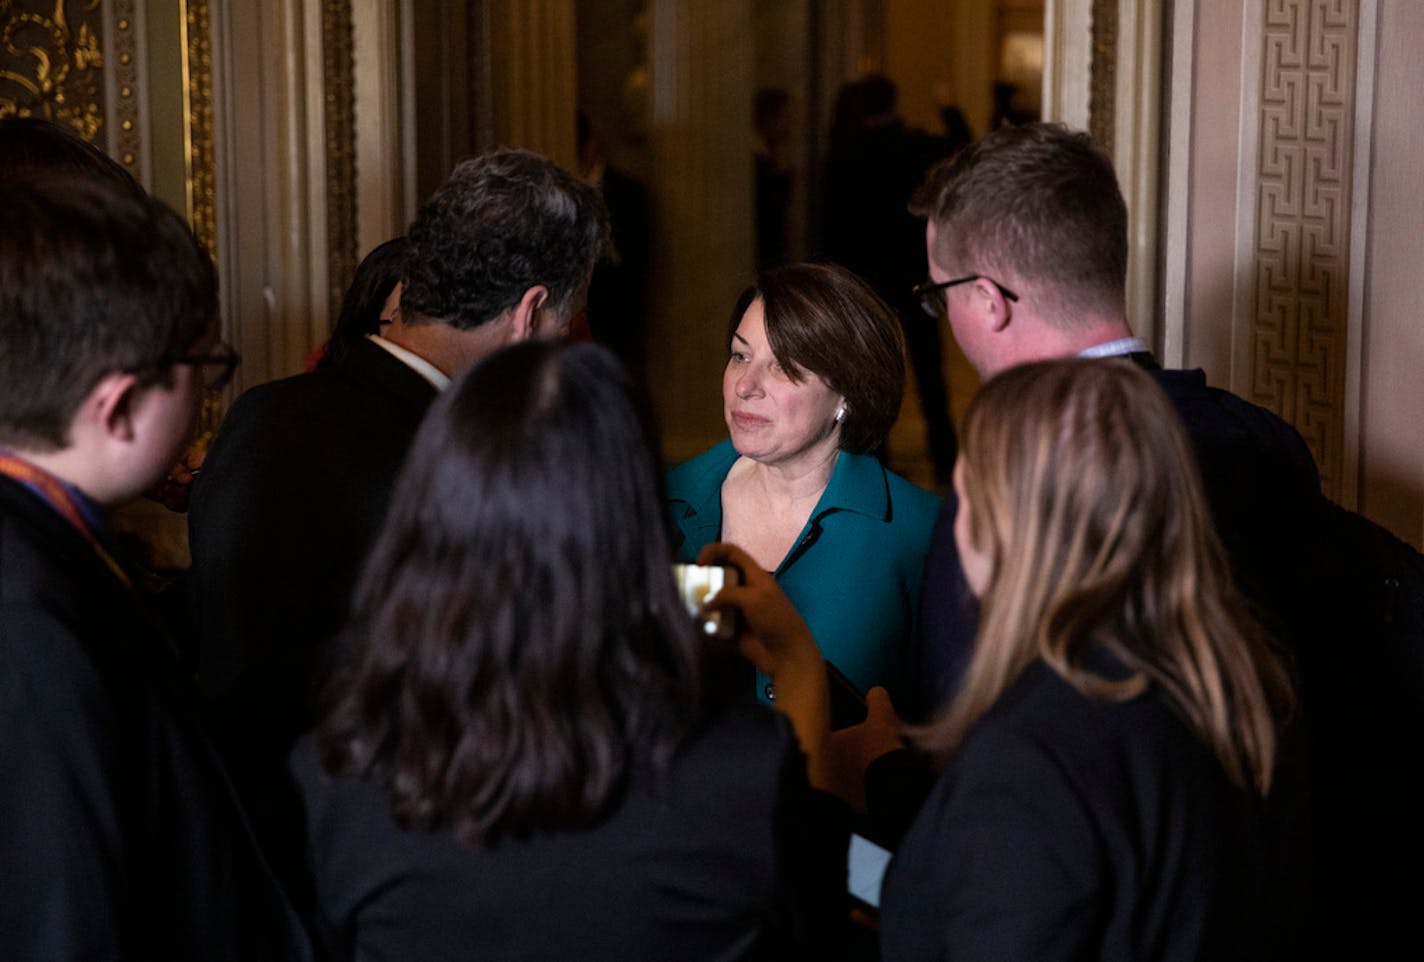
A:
[728,854]
[1068,828]
[116,821]
[290,498]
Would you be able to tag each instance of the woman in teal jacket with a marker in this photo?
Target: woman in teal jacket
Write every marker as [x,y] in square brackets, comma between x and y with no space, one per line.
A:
[813,383]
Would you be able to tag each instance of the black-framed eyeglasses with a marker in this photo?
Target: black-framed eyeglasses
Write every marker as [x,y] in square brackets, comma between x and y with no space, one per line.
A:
[216,367]
[931,293]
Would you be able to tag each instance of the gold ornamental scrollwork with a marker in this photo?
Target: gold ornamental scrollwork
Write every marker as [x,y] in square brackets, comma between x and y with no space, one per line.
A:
[1102,92]
[52,62]
[198,105]
[126,140]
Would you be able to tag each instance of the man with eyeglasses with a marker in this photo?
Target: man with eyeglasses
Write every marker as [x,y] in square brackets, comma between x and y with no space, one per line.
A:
[1027,241]
[295,486]
[119,835]
[1027,245]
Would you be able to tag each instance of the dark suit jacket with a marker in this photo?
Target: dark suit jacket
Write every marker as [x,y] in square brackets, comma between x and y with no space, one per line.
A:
[727,855]
[119,835]
[289,501]
[1065,828]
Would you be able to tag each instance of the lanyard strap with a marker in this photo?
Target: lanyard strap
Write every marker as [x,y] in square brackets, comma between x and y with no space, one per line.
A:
[66,504]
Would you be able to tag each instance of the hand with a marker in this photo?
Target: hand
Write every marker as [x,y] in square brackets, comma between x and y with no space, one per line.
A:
[775,639]
[774,636]
[853,749]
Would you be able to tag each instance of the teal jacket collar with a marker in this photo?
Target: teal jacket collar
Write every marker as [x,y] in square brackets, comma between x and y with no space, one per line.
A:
[857,484]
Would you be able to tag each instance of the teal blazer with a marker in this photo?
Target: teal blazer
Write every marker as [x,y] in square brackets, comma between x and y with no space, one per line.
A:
[854,574]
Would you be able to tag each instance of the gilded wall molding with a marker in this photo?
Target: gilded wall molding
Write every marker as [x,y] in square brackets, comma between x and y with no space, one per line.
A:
[52,62]
[1102,93]
[339,83]
[1299,327]
[198,105]
[126,140]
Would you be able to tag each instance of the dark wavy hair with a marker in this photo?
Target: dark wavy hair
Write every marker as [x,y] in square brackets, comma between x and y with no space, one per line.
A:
[376,275]
[500,224]
[823,319]
[94,279]
[34,145]
[517,635]
[1036,207]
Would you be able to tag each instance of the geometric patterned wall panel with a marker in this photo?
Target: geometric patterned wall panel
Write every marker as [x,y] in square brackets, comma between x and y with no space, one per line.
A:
[1302,249]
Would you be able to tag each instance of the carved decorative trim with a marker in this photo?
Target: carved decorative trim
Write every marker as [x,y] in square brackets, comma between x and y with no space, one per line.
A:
[126,139]
[339,84]
[198,104]
[1102,94]
[52,61]
[1299,327]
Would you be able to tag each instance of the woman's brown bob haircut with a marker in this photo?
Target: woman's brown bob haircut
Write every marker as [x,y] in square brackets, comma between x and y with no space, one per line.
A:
[824,319]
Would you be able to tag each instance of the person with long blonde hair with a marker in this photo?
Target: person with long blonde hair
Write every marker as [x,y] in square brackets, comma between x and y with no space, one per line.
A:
[1120,709]
[1105,759]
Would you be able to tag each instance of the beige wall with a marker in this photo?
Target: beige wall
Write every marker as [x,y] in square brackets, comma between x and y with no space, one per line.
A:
[1290,249]
[1391,432]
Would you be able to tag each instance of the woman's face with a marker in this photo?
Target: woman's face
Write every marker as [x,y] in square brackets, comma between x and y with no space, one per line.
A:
[771,418]
[974,562]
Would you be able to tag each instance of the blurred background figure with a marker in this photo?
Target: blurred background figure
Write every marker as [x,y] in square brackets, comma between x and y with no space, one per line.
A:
[535,753]
[874,164]
[771,119]
[813,383]
[618,293]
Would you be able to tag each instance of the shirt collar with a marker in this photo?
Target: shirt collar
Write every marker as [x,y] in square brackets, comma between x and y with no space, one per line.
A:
[438,378]
[857,484]
[1117,348]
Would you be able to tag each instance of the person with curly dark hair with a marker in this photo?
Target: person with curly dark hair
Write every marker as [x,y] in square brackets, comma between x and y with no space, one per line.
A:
[533,753]
[297,480]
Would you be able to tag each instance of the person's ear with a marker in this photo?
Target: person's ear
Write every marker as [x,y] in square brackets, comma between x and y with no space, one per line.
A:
[526,312]
[112,404]
[997,308]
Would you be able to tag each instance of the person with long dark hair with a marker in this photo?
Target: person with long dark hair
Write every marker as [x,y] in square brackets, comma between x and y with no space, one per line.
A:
[368,304]
[532,752]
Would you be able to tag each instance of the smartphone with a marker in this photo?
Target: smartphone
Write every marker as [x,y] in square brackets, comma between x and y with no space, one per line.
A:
[697,583]
[847,701]
[865,871]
